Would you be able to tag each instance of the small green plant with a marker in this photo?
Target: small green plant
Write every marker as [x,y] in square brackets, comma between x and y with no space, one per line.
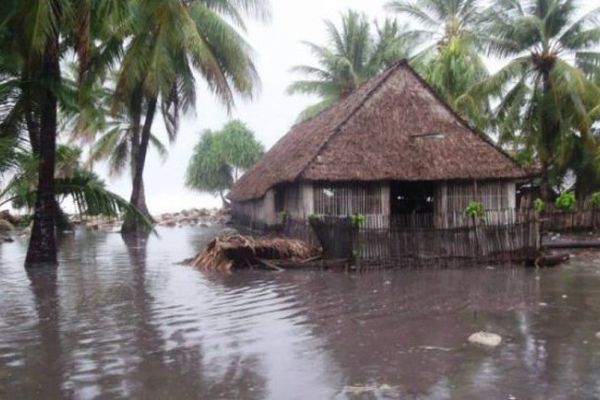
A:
[24,221]
[358,220]
[475,209]
[282,217]
[313,217]
[595,199]
[539,205]
[566,201]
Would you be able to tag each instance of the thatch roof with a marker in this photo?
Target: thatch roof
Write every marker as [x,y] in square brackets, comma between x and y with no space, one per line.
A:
[394,127]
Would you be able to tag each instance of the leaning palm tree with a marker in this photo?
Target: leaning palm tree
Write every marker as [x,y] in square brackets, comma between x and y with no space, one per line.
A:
[115,145]
[103,127]
[172,39]
[353,55]
[545,93]
[450,59]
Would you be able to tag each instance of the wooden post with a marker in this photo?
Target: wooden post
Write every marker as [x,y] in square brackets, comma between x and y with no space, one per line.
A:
[475,231]
[538,231]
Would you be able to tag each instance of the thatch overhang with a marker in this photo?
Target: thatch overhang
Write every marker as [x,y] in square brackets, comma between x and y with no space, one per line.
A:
[394,127]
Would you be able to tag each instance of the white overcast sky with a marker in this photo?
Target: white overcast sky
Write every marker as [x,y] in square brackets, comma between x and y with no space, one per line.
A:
[277,47]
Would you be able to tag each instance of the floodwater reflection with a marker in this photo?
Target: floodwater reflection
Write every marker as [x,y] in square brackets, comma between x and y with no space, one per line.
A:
[121,320]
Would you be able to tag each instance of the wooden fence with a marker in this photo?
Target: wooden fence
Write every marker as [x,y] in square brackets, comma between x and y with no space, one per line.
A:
[579,220]
[380,242]
[416,241]
[447,220]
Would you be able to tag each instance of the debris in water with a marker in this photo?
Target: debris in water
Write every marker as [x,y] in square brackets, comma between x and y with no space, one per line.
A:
[543,304]
[236,251]
[564,296]
[486,339]
[598,335]
[360,390]
[447,349]
[551,260]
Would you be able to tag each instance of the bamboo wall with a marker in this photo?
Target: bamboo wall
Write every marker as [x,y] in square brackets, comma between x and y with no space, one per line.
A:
[349,198]
[256,213]
[300,200]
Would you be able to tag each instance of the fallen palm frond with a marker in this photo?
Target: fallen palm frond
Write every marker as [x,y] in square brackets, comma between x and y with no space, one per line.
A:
[236,251]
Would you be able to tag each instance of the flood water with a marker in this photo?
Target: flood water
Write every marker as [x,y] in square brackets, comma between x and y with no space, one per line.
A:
[117,321]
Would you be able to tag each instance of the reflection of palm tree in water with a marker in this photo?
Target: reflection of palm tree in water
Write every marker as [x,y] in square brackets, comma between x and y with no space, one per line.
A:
[177,372]
[49,363]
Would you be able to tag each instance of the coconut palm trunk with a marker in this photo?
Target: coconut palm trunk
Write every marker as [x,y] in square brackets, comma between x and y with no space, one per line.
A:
[132,224]
[42,245]
[549,128]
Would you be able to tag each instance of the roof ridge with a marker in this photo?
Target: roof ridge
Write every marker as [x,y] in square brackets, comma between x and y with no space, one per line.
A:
[479,134]
[368,95]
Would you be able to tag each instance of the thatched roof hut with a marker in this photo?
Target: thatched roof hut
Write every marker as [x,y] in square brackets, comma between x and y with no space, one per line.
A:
[394,128]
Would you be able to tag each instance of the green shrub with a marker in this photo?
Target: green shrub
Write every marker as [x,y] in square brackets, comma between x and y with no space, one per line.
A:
[358,220]
[282,217]
[595,199]
[24,221]
[475,209]
[313,217]
[566,201]
[539,205]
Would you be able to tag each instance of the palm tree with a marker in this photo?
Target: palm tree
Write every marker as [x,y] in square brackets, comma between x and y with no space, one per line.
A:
[546,95]
[115,144]
[352,56]
[36,35]
[170,40]
[450,61]
[102,126]
[440,21]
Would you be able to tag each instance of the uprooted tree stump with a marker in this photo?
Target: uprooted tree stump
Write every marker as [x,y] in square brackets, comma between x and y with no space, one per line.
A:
[236,251]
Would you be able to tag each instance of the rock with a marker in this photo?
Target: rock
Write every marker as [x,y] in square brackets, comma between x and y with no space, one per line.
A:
[7,216]
[229,232]
[6,226]
[486,339]
[93,226]
[8,239]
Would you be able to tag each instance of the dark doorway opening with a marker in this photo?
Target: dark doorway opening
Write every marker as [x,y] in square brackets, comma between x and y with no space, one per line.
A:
[411,198]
